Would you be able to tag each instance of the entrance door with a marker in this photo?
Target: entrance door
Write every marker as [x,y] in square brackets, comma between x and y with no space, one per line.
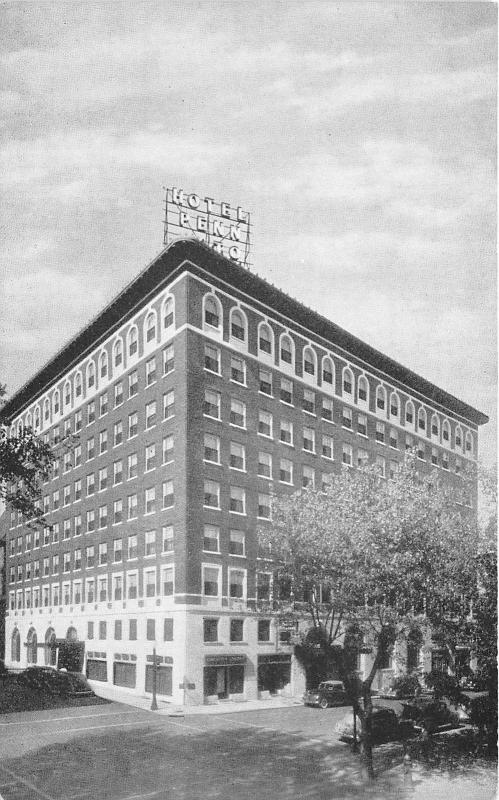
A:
[215,681]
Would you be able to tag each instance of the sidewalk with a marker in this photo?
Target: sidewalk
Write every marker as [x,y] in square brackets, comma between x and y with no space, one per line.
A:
[171,709]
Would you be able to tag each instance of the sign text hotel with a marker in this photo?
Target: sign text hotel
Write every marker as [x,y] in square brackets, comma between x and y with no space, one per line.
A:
[223,227]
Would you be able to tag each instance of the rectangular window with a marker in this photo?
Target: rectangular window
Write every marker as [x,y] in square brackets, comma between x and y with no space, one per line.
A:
[118,433]
[445,460]
[118,394]
[133,383]
[168,629]
[168,359]
[169,404]
[264,630]
[91,412]
[150,457]
[103,516]
[362,458]
[381,465]
[380,432]
[263,584]
[168,449]
[132,466]
[102,589]
[78,421]
[90,630]
[167,537]
[237,413]
[117,472]
[103,404]
[132,585]
[309,439]
[77,454]
[211,448]
[211,539]
[133,425]
[102,629]
[210,630]
[67,462]
[237,500]
[90,520]
[393,438]
[237,456]
[167,579]
[117,550]
[103,553]
[393,469]
[265,465]
[117,512]
[132,506]
[346,455]
[309,401]
[118,630]
[211,578]
[421,451]
[264,506]
[434,456]
[236,630]
[150,543]
[150,583]
[327,481]
[237,543]
[117,587]
[286,393]
[150,414]
[265,381]
[150,500]
[150,371]
[102,479]
[56,500]
[90,588]
[90,556]
[265,424]
[102,442]
[238,369]
[308,477]
[286,471]
[327,446]
[132,546]
[77,490]
[211,407]
[168,494]
[286,431]
[327,409]
[211,494]
[212,358]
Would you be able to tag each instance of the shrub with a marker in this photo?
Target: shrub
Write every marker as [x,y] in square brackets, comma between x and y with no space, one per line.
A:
[406,686]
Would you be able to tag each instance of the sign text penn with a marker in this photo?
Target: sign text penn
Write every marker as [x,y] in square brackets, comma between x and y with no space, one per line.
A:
[223,227]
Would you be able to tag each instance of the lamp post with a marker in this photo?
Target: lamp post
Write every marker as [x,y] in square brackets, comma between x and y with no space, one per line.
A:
[154,704]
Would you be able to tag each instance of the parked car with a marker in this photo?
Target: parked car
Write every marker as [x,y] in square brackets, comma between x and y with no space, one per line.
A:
[430,715]
[328,693]
[54,681]
[386,727]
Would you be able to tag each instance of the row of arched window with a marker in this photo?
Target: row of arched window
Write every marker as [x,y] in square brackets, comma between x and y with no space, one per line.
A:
[100,367]
[387,402]
[50,653]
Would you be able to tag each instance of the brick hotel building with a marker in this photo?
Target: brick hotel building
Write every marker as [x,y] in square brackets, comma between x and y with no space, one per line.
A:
[199,391]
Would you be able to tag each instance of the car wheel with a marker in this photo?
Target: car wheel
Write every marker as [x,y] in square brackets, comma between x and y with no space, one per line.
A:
[323,703]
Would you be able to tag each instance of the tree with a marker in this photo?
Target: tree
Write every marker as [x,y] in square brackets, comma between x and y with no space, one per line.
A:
[367,558]
[25,461]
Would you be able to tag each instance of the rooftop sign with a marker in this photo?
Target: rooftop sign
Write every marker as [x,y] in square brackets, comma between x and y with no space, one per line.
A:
[220,225]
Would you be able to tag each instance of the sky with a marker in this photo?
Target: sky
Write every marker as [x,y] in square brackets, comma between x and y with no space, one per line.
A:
[360,136]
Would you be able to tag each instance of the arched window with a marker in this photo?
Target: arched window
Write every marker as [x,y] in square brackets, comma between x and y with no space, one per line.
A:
[238,325]
[15,645]
[435,426]
[56,401]
[71,634]
[459,437]
[150,327]
[78,384]
[90,375]
[37,419]
[20,428]
[32,650]
[133,341]
[309,361]
[347,382]
[414,644]
[103,364]
[46,409]
[469,443]
[50,651]
[327,371]
[381,398]
[212,312]
[286,349]
[363,389]
[29,420]
[67,393]
[118,353]
[265,338]
[394,404]
[446,430]
[409,413]
[421,419]
[168,313]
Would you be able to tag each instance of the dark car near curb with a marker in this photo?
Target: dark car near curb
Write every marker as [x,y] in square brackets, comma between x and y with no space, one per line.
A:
[386,727]
[57,682]
[327,694]
[430,715]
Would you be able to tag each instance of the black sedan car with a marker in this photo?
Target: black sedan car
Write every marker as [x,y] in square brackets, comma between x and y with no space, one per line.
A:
[386,727]
[430,715]
[328,693]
